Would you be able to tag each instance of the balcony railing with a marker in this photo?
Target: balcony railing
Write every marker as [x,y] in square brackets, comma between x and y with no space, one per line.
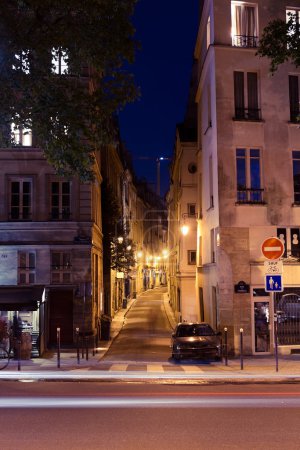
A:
[247,114]
[240,40]
[60,215]
[250,196]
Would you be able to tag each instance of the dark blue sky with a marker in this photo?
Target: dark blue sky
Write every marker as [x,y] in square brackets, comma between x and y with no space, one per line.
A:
[167,32]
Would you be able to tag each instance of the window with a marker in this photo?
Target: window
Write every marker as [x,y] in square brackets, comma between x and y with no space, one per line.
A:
[296,176]
[192,256]
[60,267]
[59,61]
[291,240]
[26,268]
[244,24]
[294,98]
[211,182]
[192,167]
[293,15]
[20,199]
[22,62]
[212,246]
[208,33]
[60,200]
[248,176]
[246,96]
[20,135]
[191,209]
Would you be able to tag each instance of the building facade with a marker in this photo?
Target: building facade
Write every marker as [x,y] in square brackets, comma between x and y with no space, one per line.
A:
[249,139]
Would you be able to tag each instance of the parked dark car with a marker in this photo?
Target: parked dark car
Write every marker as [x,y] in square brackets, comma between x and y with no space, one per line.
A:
[196,340]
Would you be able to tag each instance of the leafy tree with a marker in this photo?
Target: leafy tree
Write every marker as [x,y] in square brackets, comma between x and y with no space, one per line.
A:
[122,255]
[70,111]
[280,42]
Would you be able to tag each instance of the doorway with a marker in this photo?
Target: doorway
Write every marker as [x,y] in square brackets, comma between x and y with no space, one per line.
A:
[61,316]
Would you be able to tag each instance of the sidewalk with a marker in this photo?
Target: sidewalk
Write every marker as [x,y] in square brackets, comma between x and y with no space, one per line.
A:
[256,369]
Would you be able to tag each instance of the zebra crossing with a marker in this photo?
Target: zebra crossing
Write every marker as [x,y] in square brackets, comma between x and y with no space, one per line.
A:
[148,368]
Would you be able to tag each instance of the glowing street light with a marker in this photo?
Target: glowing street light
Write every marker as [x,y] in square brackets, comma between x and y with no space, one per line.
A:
[184,230]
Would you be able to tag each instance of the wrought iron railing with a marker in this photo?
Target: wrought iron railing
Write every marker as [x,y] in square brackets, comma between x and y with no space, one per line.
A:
[241,40]
[247,114]
[250,196]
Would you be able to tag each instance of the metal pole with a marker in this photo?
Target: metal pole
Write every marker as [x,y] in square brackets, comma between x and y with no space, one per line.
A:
[226,346]
[19,354]
[276,340]
[86,347]
[77,343]
[158,176]
[241,348]
[58,347]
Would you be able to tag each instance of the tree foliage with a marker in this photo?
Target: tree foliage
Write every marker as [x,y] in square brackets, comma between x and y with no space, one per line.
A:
[70,113]
[280,42]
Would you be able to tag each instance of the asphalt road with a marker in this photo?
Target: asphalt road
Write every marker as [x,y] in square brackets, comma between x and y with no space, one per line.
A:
[148,416]
[146,334]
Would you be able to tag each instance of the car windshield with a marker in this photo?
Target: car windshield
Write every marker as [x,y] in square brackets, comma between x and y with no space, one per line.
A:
[194,330]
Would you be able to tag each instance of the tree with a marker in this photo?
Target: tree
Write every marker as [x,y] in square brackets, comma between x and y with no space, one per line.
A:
[62,75]
[280,42]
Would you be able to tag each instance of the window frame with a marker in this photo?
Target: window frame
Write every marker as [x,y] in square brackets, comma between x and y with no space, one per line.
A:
[61,272]
[249,194]
[246,86]
[192,257]
[20,205]
[28,271]
[58,210]
[244,41]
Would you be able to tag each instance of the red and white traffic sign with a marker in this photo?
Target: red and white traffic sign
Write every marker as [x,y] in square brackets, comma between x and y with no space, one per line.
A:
[272,248]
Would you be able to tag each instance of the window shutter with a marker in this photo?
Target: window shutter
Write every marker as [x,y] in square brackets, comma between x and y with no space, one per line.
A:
[239,101]
[294,97]
[252,95]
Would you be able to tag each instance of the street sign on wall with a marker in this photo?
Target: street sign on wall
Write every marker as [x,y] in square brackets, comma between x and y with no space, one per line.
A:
[273,283]
[272,248]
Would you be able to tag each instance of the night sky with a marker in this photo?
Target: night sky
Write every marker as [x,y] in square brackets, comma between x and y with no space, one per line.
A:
[167,32]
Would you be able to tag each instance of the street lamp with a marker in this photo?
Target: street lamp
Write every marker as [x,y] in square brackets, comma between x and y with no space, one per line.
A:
[184,230]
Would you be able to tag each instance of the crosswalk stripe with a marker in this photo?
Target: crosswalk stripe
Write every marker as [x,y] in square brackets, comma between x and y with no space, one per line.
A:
[191,369]
[155,368]
[118,367]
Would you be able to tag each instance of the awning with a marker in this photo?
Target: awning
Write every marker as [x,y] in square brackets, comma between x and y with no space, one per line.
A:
[14,298]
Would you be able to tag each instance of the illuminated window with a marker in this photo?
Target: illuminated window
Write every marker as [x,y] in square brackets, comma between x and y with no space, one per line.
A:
[26,269]
[244,24]
[21,136]
[21,62]
[59,61]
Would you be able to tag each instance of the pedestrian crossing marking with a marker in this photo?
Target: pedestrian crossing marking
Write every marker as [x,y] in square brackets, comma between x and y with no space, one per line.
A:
[191,369]
[118,367]
[155,368]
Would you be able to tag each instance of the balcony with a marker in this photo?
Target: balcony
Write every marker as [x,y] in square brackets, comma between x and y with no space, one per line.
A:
[250,196]
[245,41]
[247,114]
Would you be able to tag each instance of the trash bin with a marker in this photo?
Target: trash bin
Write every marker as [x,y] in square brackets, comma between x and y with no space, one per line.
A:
[124,303]
[105,328]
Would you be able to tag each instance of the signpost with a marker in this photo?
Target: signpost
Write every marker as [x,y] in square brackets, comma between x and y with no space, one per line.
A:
[273,248]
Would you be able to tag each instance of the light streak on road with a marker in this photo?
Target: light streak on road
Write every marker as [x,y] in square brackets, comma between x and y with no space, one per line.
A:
[162,401]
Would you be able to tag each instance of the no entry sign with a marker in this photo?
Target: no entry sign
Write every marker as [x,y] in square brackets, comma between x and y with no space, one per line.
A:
[272,248]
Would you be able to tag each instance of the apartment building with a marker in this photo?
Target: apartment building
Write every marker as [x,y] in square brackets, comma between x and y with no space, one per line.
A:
[249,138]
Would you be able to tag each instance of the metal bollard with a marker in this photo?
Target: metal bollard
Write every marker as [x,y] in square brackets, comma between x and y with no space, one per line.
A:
[19,354]
[94,345]
[241,348]
[58,346]
[226,346]
[86,348]
[77,343]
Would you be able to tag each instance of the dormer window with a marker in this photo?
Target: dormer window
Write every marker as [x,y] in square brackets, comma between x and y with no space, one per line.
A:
[20,135]
[59,61]
[244,24]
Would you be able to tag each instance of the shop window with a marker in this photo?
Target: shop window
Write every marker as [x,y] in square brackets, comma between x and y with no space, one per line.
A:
[60,267]
[26,267]
[290,238]
[20,200]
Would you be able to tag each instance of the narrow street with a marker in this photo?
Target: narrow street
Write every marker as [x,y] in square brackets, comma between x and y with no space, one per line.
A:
[145,337]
